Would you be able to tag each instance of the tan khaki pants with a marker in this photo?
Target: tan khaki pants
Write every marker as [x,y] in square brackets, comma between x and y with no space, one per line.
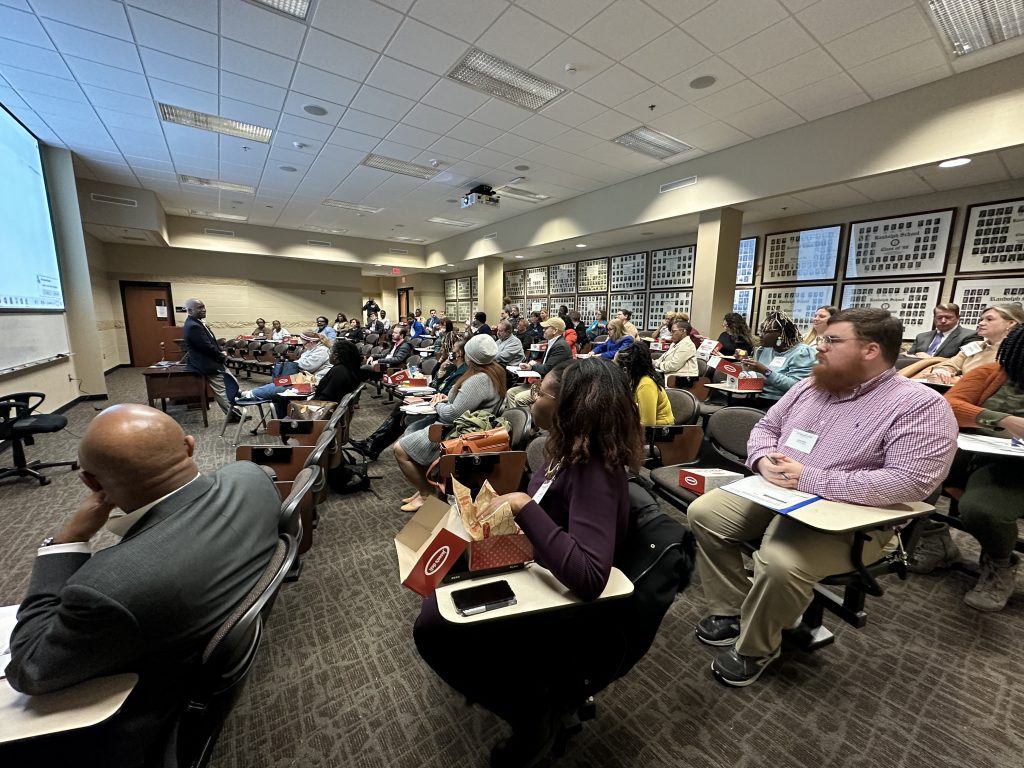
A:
[519,397]
[791,559]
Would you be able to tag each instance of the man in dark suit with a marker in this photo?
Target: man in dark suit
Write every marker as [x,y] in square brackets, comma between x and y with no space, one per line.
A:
[204,354]
[193,546]
[557,352]
[480,324]
[948,336]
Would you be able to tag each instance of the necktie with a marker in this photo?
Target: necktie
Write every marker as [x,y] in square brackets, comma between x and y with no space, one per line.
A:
[935,343]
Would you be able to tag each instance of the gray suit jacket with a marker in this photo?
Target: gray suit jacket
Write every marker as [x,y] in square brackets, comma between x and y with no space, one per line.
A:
[949,346]
[147,605]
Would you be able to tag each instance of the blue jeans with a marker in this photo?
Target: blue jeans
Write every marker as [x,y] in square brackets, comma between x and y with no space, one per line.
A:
[285,368]
[266,391]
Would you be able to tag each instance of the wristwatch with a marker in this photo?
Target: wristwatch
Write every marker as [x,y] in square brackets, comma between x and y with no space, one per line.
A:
[46,542]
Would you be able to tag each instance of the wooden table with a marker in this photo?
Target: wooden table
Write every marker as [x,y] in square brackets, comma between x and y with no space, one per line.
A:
[731,391]
[176,381]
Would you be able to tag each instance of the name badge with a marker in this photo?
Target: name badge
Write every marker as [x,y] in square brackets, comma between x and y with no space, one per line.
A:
[973,348]
[540,492]
[801,441]
[777,362]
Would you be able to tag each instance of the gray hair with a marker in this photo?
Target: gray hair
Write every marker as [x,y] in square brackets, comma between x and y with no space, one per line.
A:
[191,304]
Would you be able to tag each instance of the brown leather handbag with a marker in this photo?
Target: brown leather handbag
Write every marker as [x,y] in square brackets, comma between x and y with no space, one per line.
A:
[311,409]
[490,441]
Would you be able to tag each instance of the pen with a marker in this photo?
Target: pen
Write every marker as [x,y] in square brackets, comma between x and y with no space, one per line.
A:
[775,463]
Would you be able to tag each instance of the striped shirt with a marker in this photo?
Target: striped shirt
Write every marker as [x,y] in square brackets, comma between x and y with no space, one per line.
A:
[890,440]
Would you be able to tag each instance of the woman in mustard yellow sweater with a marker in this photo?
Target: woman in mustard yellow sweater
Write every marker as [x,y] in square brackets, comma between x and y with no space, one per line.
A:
[647,385]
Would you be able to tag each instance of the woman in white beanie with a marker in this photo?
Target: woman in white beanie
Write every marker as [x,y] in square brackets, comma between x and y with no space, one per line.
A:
[482,387]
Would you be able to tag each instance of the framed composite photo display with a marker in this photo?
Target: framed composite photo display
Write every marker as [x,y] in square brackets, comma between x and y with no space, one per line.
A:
[672,267]
[801,255]
[911,302]
[537,281]
[629,272]
[592,276]
[797,301]
[743,302]
[587,305]
[450,290]
[914,245]
[515,284]
[451,310]
[464,311]
[558,301]
[993,237]
[973,295]
[745,261]
[473,287]
[660,303]
[562,278]
[536,304]
[465,288]
[633,302]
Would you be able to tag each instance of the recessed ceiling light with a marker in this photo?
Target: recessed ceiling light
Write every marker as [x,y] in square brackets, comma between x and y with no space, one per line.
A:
[351,206]
[449,265]
[288,168]
[443,271]
[393,165]
[652,143]
[704,81]
[970,25]
[217,215]
[296,8]
[217,184]
[314,109]
[522,167]
[955,162]
[484,72]
[581,245]
[518,256]
[215,123]
[450,222]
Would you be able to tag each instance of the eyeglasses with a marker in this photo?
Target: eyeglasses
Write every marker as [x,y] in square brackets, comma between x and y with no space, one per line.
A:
[831,341]
[536,391]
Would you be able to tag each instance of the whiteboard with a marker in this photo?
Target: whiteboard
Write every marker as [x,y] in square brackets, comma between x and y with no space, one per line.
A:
[30,339]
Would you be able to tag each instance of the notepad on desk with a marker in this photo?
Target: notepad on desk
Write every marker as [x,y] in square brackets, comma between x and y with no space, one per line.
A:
[529,373]
[759,490]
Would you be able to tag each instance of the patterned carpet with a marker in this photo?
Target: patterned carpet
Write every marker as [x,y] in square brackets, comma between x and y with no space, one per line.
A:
[929,682]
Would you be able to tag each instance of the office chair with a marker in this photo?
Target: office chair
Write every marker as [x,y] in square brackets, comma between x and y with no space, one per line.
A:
[19,423]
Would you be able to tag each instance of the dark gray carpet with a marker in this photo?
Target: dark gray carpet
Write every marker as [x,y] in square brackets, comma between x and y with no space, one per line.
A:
[929,682]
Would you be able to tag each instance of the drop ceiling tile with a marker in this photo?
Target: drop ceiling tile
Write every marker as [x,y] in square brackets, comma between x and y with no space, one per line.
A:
[98,15]
[425,47]
[1013,159]
[668,55]
[812,97]
[94,46]
[763,119]
[454,98]
[900,66]
[305,128]
[412,136]
[10,99]
[252,25]
[572,109]
[983,169]
[800,72]
[831,19]
[336,55]
[122,102]
[609,124]
[190,73]
[770,47]
[829,105]
[353,140]
[253,91]
[171,37]
[333,158]
[381,103]
[622,28]
[735,98]
[397,77]
[453,148]
[727,22]
[360,21]
[511,144]
[714,136]
[520,38]
[431,119]
[26,82]
[33,59]
[45,107]
[465,20]
[490,157]
[198,13]
[182,96]
[361,122]
[797,5]
[23,27]
[397,151]
[143,144]
[475,132]
[881,90]
[112,78]
[585,59]
[639,107]
[567,15]
[184,141]
[539,128]
[614,85]
[679,10]
[724,74]
[574,141]
[500,114]
[832,197]
[883,37]
[148,164]
[318,84]
[246,60]
[126,121]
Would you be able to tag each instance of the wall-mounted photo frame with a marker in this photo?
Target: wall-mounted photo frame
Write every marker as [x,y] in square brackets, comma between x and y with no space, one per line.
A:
[797,301]
[629,272]
[660,303]
[558,301]
[974,294]
[464,311]
[537,281]
[801,255]
[465,289]
[634,302]
[745,261]
[515,284]
[672,267]
[588,304]
[536,304]
[912,245]
[451,292]
[473,287]
[993,238]
[912,302]
[743,302]
[592,276]
[562,278]
[451,310]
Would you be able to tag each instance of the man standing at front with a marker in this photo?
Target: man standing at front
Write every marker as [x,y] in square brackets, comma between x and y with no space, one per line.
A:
[204,354]
[854,432]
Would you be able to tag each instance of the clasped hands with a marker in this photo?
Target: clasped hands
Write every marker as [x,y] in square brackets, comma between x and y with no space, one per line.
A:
[778,469]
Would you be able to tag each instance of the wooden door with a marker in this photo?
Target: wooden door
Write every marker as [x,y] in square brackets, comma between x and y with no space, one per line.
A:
[148,313]
[405,305]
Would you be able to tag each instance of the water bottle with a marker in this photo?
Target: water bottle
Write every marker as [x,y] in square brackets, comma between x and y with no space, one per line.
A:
[414,371]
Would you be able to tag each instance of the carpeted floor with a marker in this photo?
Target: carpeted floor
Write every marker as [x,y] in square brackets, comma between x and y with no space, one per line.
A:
[929,682]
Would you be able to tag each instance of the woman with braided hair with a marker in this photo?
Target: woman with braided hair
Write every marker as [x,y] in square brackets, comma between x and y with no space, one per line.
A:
[781,358]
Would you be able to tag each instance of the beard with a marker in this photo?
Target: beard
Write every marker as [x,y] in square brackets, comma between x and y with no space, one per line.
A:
[838,381]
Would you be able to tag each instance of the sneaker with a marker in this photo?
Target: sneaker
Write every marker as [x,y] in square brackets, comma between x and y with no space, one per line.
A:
[995,585]
[718,630]
[731,667]
[935,550]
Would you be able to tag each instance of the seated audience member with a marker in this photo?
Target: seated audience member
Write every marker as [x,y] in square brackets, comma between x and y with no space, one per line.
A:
[556,352]
[854,432]
[444,339]
[946,338]
[818,324]
[536,331]
[383,317]
[523,334]
[510,349]
[193,546]
[575,526]
[680,359]
[989,400]
[342,376]
[996,321]
[432,321]
[324,329]
[736,339]
[543,314]
[354,332]
[394,357]
[415,326]
[480,319]
[599,327]
[482,387]
[647,384]
[627,323]
[618,338]
[340,323]
[279,333]
[513,314]
[287,365]
[314,360]
[373,324]
[781,358]
[579,326]
[563,312]
[260,332]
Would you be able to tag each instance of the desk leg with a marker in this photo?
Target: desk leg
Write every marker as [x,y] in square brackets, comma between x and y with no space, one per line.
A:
[204,402]
[163,404]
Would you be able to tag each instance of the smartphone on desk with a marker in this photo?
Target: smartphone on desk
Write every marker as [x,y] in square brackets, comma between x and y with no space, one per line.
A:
[484,597]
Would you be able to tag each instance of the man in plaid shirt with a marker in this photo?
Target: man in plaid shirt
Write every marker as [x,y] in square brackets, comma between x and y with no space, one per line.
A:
[854,432]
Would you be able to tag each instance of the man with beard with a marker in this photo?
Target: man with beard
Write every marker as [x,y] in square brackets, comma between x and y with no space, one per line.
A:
[854,432]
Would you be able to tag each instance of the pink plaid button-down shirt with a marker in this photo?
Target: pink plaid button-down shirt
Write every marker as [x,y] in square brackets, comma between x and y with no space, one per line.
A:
[891,440]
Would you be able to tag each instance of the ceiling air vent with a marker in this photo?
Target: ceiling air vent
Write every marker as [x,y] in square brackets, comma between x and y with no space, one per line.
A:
[219,232]
[491,236]
[398,251]
[127,202]
[689,181]
[320,243]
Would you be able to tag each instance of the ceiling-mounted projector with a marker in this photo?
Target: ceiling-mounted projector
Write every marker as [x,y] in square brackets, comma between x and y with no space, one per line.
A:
[480,195]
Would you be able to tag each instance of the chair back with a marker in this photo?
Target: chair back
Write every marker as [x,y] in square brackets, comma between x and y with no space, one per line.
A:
[503,470]
[728,431]
[685,407]
[429,365]
[413,360]
[290,521]
[297,431]
[519,420]
[280,349]
[702,367]
[535,453]
[371,338]
[14,406]
[231,388]
[376,351]
[602,338]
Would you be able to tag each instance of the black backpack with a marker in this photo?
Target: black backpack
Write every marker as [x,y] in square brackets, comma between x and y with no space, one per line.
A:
[351,475]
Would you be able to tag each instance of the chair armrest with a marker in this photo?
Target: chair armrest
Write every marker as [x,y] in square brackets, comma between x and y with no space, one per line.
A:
[435,432]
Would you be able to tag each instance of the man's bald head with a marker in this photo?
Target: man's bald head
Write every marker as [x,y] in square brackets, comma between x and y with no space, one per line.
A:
[135,454]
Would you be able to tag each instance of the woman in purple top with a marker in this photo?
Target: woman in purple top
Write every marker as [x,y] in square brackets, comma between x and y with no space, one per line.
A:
[535,664]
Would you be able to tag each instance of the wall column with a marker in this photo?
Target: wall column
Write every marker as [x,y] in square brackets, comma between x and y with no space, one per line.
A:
[490,276]
[714,274]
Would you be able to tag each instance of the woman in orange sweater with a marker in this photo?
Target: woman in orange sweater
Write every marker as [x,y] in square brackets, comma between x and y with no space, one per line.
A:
[989,400]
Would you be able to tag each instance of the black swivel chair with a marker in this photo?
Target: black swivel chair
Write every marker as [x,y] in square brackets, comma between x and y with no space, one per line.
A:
[19,423]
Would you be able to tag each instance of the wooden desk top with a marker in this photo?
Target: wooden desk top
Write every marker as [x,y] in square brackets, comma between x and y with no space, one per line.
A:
[837,517]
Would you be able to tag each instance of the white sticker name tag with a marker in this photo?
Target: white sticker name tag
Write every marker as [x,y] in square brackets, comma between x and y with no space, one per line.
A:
[801,441]
[973,348]
[777,362]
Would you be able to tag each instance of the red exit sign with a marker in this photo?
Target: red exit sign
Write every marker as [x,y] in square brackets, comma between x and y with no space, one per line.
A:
[396,271]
